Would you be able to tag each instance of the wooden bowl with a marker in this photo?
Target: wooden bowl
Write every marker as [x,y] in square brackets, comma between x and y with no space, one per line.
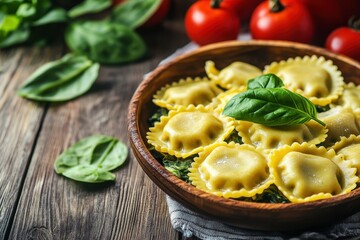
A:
[259,216]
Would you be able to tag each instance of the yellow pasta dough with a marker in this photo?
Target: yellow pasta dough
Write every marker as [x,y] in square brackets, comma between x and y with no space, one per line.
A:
[231,170]
[349,149]
[341,122]
[186,131]
[313,77]
[275,137]
[198,91]
[350,97]
[307,173]
[233,76]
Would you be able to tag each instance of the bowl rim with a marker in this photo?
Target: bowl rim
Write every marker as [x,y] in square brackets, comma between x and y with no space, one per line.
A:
[139,146]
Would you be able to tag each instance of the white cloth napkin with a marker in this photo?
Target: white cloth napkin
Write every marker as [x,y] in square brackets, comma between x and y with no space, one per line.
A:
[191,224]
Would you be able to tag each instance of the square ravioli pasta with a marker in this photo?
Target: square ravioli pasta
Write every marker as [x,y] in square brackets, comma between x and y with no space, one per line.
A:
[246,160]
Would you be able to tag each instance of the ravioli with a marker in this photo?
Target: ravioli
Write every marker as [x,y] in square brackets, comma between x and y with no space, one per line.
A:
[350,97]
[349,149]
[275,137]
[231,170]
[314,78]
[186,131]
[341,122]
[198,91]
[307,173]
[233,76]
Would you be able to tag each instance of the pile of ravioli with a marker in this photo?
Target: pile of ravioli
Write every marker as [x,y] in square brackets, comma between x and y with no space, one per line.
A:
[306,162]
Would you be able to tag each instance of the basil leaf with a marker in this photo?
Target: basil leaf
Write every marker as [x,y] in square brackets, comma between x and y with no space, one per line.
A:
[91,159]
[89,6]
[61,80]
[105,42]
[265,81]
[271,107]
[134,13]
[57,15]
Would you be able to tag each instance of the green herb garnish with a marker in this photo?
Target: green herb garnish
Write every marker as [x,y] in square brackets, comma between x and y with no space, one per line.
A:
[273,106]
[270,195]
[91,159]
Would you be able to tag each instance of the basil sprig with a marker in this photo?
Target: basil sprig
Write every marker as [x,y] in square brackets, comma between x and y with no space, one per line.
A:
[61,80]
[91,159]
[267,103]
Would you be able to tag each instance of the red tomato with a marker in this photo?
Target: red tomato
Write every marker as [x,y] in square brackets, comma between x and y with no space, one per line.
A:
[159,15]
[345,40]
[291,23]
[242,8]
[205,24]
[330,14]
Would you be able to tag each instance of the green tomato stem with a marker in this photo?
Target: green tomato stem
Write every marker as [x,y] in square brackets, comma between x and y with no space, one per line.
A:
[354,23]
[215,3]
[276,6]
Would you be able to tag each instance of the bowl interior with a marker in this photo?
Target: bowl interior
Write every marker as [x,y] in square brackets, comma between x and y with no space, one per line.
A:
[249,215]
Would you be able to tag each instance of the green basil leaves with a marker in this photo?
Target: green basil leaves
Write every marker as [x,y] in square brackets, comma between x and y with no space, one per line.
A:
[105,42]
[266,102]
[91,159]
[134,13]
[89,6]
[61,80]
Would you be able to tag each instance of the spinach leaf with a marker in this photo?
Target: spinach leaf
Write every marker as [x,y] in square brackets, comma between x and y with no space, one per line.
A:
[91,159]
[89,6]
[24,21]
[56,15]
[265,81]
[134,13]
[61,80]
[18,36]
[105,42]
[179,167]
[271,107]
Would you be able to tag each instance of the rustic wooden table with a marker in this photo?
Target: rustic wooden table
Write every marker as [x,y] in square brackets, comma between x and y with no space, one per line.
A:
[35,202]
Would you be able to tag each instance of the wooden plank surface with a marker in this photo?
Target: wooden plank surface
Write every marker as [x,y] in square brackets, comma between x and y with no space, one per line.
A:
[50,206]
[20,121]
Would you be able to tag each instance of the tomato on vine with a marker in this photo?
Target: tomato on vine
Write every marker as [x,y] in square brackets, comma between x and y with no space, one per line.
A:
[346,40]
[282,20]
[209,22]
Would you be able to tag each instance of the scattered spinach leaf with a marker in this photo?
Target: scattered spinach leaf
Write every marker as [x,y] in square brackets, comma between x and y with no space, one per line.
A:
[271,107]
[270,195]
[61,80]
[91,159]
[105,42]
[134,13]
[320,109]
[89,6]
[177,166]
[234,137]
[157,115]
[20,21]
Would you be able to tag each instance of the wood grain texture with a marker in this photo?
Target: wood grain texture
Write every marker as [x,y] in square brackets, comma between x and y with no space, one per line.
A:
[20,121]
[133,207]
